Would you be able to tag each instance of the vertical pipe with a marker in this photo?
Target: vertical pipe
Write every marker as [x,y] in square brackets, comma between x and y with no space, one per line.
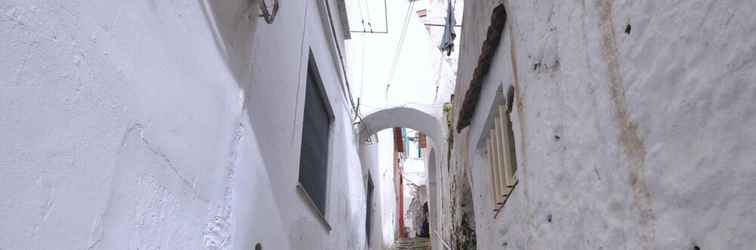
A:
[399,146]
[402,233]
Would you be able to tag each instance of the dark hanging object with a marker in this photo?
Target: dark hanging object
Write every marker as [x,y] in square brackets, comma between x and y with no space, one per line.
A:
[269,13]
[487,52]
[447,41]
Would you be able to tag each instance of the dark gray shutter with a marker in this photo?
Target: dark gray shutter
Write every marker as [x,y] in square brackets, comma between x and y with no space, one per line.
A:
[369,211]
[313,161]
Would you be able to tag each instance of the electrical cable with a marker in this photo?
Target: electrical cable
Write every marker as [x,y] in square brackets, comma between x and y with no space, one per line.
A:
[398,51]
[438,76]
[362,66]
[359,6]
[385,22]
[348,90]
[370,20]
[362,79]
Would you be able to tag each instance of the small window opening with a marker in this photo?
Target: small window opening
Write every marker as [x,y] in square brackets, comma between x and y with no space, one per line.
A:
[501,152]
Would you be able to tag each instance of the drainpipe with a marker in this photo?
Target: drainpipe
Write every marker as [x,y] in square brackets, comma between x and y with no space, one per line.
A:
[405,145]
[399,180]
[402,232]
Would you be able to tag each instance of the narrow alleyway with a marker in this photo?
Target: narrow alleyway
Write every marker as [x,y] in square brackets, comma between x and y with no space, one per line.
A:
[377,124]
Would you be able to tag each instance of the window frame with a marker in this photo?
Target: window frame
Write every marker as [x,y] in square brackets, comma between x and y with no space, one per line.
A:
[499,149]
[313,71]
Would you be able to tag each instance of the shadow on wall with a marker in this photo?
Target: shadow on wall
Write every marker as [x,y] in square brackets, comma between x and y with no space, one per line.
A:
[462,213]
[233,24]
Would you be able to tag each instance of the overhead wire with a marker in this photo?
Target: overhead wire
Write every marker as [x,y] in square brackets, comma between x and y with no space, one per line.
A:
[362,53]
[370,20]
[438,76]
[362,78]
[345,88]
[398,51]
[362,17]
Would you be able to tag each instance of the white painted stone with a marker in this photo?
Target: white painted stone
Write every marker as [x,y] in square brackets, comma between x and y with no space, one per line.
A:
[666,161]
[132,125]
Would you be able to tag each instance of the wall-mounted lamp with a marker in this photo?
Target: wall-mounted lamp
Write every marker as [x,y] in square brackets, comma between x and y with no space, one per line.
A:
[269,10]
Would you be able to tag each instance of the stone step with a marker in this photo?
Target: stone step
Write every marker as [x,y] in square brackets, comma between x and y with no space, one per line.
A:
[412,244]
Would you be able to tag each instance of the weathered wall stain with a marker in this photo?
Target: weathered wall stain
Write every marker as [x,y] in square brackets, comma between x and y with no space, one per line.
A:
[628,134]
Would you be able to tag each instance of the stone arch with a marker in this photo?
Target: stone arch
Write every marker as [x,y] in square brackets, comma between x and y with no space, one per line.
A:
[425,122]
[404,117]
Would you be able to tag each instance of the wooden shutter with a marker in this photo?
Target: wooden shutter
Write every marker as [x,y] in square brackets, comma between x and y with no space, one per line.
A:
[313,161]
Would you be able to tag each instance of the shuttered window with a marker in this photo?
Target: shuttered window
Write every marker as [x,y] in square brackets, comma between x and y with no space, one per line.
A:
[501,153]
[313,161]
[369,208]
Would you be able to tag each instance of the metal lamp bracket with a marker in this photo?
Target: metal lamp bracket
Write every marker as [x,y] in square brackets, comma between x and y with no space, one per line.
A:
[269,10]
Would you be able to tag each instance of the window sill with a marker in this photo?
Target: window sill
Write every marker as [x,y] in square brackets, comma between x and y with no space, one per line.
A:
[315,210]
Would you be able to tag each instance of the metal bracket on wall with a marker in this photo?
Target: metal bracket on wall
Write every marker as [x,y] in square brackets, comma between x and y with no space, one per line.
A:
[269,12]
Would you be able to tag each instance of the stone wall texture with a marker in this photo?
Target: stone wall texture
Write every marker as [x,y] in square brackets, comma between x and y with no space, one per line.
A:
[634,124]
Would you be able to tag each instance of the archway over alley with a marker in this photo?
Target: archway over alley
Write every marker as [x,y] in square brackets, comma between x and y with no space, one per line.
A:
[423,122]
[404,117]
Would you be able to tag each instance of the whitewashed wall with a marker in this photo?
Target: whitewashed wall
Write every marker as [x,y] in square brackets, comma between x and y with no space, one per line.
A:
[123,128]
[381,167]
[641,139]
[276,108]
